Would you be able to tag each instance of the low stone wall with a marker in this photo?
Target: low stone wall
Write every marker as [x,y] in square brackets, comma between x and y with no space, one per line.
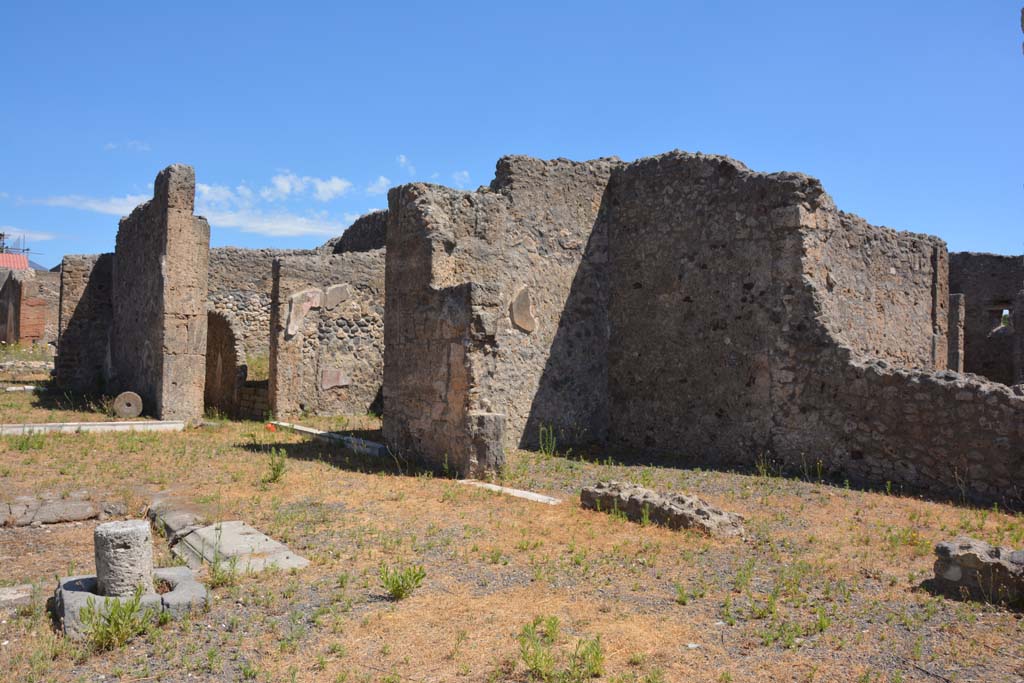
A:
[254,401]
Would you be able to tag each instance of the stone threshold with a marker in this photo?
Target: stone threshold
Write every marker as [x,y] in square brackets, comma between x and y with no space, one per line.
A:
[516,493]
[354,444]
[76,427]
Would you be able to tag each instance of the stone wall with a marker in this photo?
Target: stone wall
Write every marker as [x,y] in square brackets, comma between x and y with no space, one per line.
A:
[85,322]
[327,333]
[240,284]
[989,283]
[29,307]
[701,310]
[158,345]
[753,360]
[495,320]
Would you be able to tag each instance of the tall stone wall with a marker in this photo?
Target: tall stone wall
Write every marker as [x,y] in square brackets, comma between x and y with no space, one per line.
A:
[158,346]
[699,309]
[495,319]
[86,319]
[327,333]
[989,283]
[240,285]
[753,359]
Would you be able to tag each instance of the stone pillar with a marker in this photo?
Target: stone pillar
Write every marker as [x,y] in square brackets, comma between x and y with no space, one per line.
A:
[957,309]
[124,557]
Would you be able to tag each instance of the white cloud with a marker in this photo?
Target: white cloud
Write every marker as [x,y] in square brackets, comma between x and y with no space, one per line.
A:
[460,178]
[214,194]
[114,206]
[378,186]
[404,162]
[28,235]
[285,184]
[130,145]
[278,224]
[282,185]
[326,190]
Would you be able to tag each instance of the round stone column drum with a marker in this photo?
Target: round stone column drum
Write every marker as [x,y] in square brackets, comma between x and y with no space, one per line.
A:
[124,557]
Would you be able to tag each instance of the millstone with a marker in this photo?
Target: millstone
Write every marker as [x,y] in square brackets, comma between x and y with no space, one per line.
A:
[124,557]
[128,404]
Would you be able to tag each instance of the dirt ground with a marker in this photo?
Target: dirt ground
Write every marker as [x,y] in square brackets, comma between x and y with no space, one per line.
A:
[829,585]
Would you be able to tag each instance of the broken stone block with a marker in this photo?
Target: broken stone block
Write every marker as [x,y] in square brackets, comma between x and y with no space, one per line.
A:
[676,511]
[521,313]
[299,304]
[237,544]
[967,567]
[74,594]
[124,557]
[186,593]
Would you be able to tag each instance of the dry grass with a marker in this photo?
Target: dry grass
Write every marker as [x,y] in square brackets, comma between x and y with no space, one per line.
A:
[827,587]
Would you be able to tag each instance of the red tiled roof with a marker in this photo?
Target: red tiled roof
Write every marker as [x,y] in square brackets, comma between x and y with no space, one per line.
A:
[14,261]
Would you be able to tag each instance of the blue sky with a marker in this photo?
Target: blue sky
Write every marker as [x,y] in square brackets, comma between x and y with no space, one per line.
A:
[297,116]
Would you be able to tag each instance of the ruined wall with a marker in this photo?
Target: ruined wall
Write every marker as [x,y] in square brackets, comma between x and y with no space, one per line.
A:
[885,292]
[989,283]
[29,307]
[327,333]
[158,346]
[365,234]
[729,276]
[240,281]
[85,323]
[496,313]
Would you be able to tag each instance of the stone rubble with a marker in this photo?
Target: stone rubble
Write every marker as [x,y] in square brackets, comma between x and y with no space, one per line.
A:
[676,511]
[967,567]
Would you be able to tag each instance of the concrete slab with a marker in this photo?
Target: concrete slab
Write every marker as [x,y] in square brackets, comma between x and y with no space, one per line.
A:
[77,427]
[12,390]
[352,443]
[515,493]
[250,549]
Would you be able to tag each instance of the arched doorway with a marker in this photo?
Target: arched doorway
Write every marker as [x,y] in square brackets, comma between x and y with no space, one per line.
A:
[224,375]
